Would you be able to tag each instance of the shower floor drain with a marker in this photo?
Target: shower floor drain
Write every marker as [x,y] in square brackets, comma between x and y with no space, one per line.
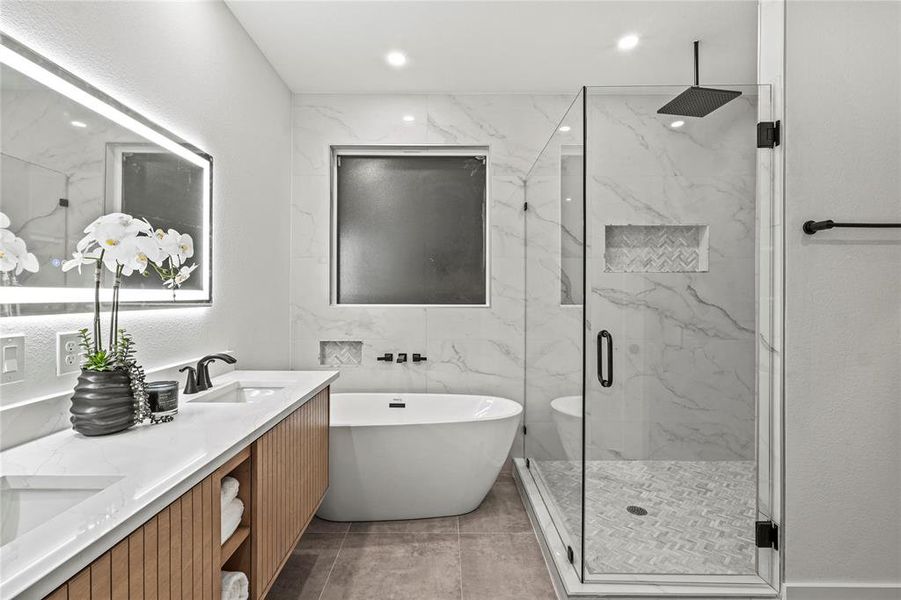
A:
[637,510]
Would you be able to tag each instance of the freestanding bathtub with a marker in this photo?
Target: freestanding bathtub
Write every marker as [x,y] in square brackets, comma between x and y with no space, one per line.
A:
[567,415]
[412,456]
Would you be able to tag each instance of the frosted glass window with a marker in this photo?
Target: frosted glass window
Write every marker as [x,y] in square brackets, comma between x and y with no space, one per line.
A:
[410,229]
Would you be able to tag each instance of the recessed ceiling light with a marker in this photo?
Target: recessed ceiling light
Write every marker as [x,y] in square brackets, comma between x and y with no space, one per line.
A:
[78,124]
[568,199]
[627,42]
[677,124]
[565,128]
[396,59]
[409,118]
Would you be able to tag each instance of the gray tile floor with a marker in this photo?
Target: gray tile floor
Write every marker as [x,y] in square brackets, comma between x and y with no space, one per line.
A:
[488,554]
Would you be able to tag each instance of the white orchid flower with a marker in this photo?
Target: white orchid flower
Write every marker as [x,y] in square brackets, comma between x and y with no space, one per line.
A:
[183,274]
[168,243]
[8,259]
[81,258]
[109,231]
[120,220]
[136,253]
[28,261]
[14,255]
[4,221]
[122,243]
[177,246]
[85,243]
[185,247]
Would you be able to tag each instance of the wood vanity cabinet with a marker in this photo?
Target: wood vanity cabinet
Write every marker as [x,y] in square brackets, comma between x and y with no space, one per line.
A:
[290,478]
[177,554]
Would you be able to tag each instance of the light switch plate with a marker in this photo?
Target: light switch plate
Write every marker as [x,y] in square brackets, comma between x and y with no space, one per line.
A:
[12,358]
[68,354]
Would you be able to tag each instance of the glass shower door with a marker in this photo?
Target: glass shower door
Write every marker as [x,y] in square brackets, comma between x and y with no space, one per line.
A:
[553,325]
[673,314]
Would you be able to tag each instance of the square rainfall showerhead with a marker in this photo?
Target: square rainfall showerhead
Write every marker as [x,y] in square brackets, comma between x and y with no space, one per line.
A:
[697,101]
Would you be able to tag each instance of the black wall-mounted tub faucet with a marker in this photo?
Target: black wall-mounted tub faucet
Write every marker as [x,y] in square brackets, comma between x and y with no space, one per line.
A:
[402,357]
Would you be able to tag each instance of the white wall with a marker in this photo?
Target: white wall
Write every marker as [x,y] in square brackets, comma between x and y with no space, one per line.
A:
[843,314]
[190,67]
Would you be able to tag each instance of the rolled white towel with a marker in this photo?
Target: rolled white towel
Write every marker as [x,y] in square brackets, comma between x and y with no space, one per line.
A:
[234,585]
[229,491]
[231,518]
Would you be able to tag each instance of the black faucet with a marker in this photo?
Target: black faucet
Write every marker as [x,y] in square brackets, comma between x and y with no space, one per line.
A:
[402,357]
[191,382]
[203,371]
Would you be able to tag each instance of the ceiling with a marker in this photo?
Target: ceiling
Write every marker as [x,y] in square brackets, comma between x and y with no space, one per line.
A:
[469,46]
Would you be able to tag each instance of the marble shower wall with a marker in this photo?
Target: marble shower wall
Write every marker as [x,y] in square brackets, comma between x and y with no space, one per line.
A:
[684,341]
[469,350]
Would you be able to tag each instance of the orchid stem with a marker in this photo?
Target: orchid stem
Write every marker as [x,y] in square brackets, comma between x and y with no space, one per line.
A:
[98,273]
[114,312]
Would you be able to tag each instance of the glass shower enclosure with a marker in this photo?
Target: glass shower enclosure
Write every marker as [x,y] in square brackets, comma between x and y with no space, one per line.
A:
[650,299]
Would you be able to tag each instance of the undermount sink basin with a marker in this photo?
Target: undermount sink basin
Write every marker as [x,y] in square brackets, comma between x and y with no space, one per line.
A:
[29,501]
[238,394]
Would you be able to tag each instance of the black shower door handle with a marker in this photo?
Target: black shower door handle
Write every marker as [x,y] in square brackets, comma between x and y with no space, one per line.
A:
[603,336]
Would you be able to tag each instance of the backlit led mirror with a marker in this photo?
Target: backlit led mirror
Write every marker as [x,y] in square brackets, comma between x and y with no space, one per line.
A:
[70,154]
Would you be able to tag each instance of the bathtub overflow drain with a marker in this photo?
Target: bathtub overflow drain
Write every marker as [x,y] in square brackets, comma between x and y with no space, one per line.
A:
[637,510]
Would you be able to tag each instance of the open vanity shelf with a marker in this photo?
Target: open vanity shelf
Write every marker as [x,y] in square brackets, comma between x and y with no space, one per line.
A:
[235,552]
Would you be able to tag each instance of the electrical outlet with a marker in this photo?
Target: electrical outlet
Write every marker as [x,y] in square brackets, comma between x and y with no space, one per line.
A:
[68,353]
[12,358]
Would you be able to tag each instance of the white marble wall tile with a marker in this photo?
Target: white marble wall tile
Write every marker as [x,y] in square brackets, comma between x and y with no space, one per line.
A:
[628,137]
[470,350]
[321,121]
[698,440]
[311,220]
[507,218]
[543,441]
[475,366]
[515,126]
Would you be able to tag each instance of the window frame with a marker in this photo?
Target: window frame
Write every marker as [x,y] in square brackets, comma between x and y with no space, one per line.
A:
[337,151]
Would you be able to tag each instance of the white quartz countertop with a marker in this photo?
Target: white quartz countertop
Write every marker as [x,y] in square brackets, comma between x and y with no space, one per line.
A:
[150,465]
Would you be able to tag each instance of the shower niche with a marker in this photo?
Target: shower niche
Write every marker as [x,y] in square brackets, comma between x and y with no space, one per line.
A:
[651,245]
[656,248]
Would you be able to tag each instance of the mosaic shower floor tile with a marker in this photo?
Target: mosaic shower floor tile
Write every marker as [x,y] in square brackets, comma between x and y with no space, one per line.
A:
[699,514]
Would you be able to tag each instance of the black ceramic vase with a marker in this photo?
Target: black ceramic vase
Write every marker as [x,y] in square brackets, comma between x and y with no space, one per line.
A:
[102,403]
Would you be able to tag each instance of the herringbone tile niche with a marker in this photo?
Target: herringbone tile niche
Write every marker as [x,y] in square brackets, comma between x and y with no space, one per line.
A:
[655,248]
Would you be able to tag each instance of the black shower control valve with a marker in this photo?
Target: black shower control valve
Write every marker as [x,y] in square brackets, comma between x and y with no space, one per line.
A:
[419,358]
[402,357]
[386,357]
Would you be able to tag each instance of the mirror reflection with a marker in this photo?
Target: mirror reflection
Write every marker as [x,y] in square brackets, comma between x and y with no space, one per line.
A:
[62,167]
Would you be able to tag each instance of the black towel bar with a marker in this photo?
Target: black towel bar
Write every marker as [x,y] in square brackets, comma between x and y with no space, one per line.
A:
[811,227]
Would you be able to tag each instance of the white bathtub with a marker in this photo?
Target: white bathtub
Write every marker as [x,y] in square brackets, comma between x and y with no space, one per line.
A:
[437,456]
[567,415]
